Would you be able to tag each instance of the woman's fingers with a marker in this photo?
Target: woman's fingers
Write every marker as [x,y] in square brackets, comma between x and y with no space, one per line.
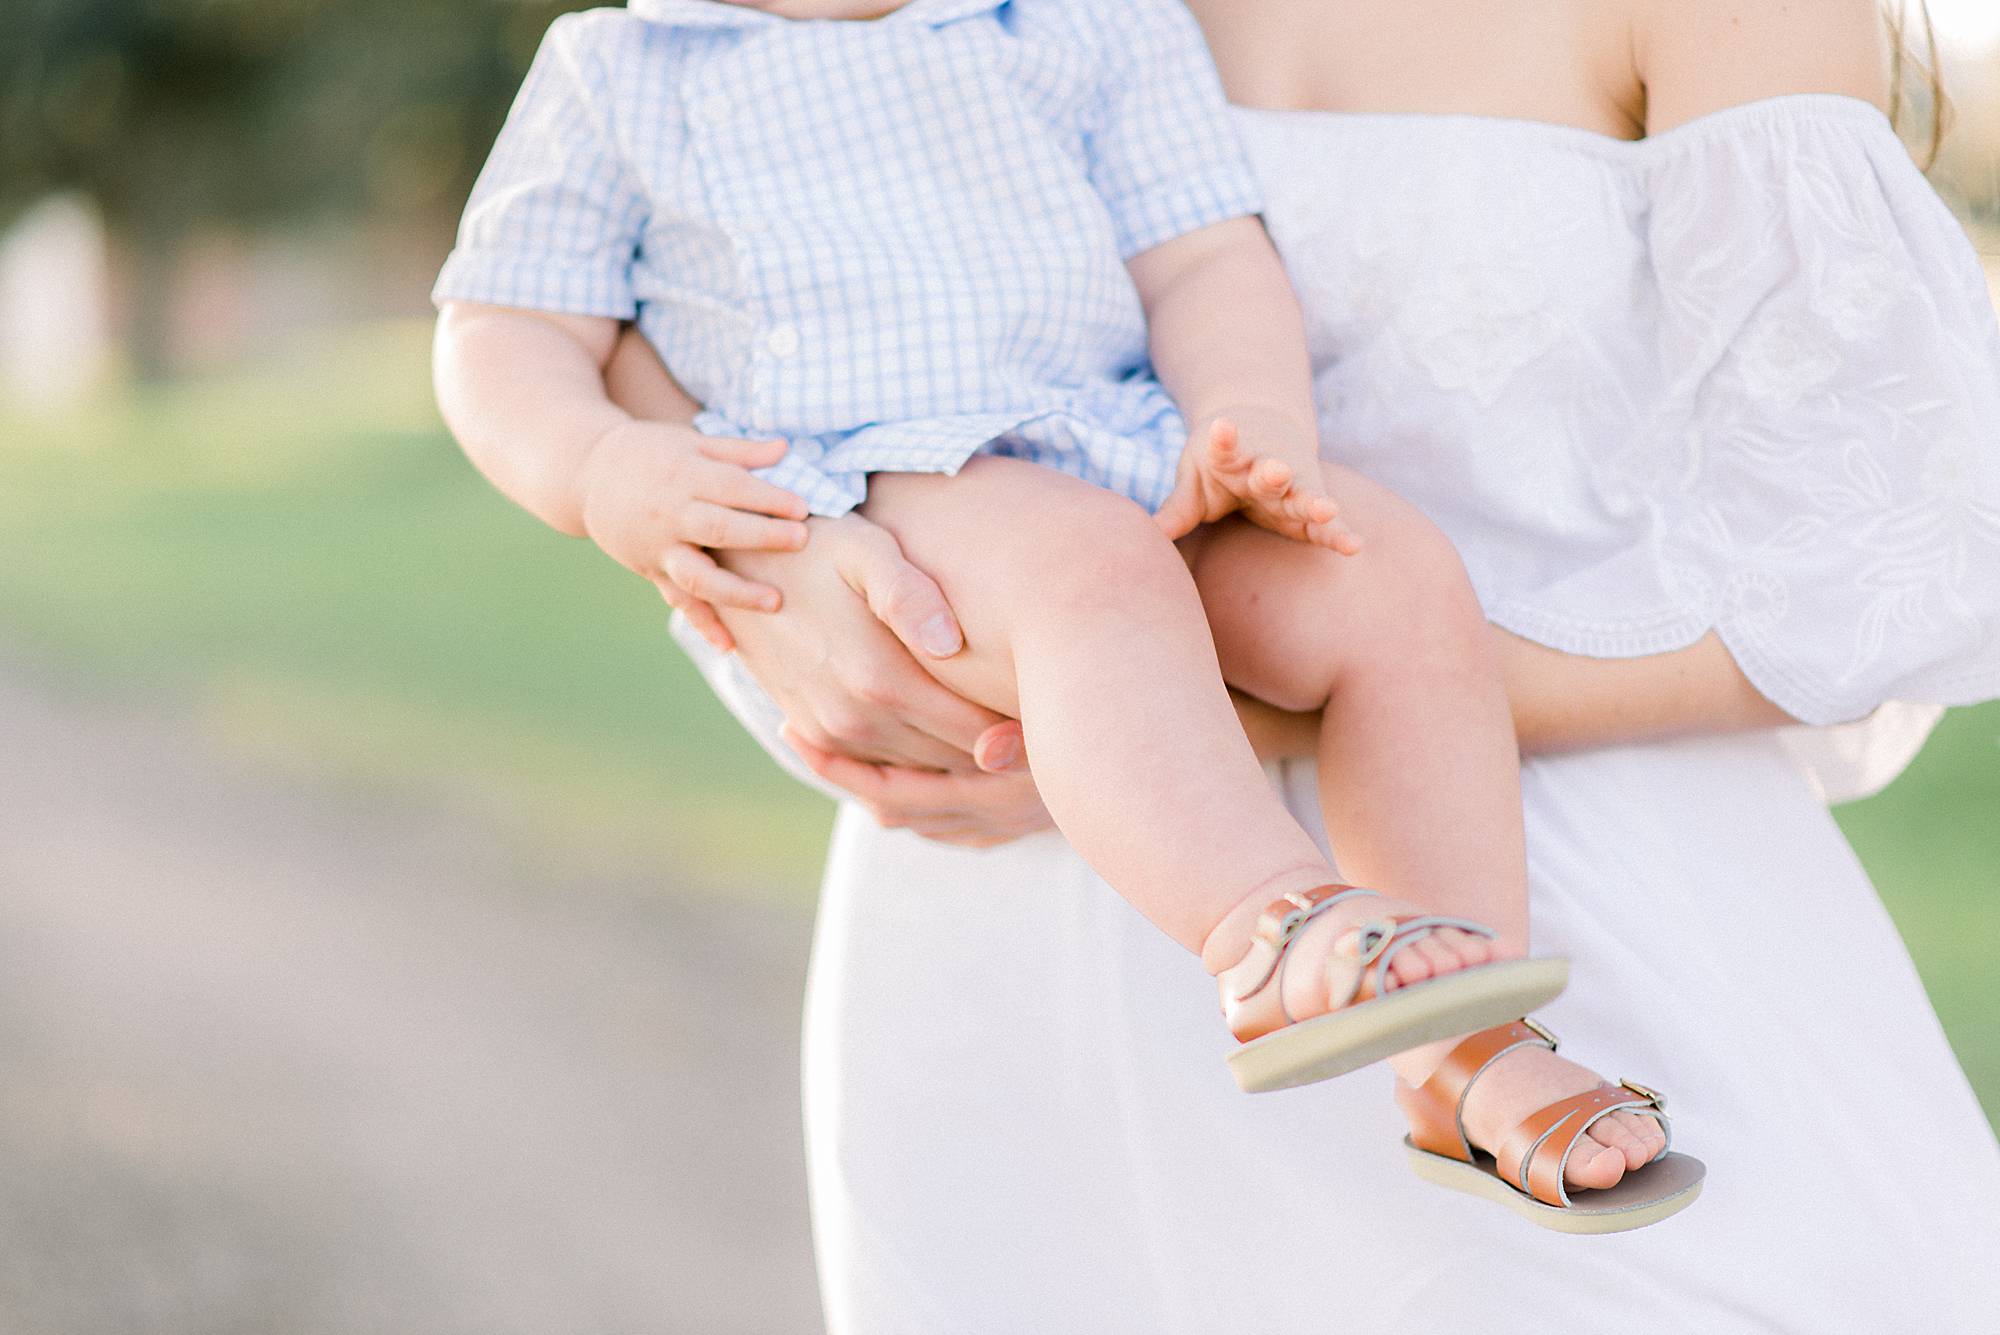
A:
[729,485]
[743,453]
[1000,748]
[955,808]
[857,777]
[700,615]
[902,597]
[889,791]
[714,526]
[695,571]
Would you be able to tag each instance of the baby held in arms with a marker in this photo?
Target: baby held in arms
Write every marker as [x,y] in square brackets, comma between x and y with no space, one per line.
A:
[991,272]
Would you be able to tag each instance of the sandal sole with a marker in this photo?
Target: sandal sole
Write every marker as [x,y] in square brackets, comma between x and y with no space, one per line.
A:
[1661,1189]
[1360,1035]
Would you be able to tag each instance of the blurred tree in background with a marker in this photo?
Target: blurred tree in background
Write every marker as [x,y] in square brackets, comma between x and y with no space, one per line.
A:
[179,115]
[185,118]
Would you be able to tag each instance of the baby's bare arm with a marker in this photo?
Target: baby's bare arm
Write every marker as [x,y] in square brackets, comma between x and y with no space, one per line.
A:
[1228,342]
[1225,330]
[525,394]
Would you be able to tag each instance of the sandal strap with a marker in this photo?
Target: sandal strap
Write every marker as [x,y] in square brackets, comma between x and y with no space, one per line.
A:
[1535,1154]
[1435,1109]
[1253,987]
[1365,975]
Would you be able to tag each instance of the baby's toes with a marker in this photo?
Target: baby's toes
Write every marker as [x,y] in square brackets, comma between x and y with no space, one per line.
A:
[1413,964]
[1435,957]
[1639,1139]
[1465,949]
[1592,1165]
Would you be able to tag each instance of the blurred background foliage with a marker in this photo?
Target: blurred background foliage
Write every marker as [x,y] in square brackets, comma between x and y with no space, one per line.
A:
[175,116]
[246,507]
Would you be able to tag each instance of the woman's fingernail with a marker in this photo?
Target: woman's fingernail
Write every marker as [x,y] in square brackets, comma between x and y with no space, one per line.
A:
[1003,754]
[940,637]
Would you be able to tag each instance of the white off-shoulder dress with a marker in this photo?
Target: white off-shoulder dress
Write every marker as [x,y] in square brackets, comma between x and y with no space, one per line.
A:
[1742,376]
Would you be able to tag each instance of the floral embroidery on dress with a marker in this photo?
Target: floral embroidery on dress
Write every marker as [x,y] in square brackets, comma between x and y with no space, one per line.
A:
[1742,378]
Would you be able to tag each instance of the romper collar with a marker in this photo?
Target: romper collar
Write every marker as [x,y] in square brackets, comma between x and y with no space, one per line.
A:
[712,14]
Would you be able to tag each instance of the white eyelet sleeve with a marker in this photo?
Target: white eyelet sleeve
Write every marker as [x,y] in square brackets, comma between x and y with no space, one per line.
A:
[1829,434]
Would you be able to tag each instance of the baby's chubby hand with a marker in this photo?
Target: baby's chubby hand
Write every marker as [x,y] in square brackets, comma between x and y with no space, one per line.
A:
[657,498]
[1273,477]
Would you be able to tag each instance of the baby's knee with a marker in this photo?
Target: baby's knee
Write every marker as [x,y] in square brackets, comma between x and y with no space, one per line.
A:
[1419,563]
[1425,609]
[1093,550]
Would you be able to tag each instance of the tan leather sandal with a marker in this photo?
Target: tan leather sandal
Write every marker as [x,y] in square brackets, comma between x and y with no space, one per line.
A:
[1527,1175]
[1371,1017]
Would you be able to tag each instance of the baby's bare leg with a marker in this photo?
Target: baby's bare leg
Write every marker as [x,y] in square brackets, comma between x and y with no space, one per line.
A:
[1418,766]
[1420,774]
[1082,620]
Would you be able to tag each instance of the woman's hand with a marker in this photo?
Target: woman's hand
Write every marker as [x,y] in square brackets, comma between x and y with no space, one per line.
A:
[841,661]
[841,658]
[974,810]
[657,498]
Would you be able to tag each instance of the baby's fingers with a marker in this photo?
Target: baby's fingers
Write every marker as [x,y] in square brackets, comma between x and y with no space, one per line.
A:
[743,453]
[695,571]
[700,615]
[1317,520]
[716,526]
[1334,536]
[1224,453]
[1181,512]
[727,484]
[1271,479]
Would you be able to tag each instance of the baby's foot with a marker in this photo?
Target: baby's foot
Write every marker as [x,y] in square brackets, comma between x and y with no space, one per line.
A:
[1527,1080]
[1338,931]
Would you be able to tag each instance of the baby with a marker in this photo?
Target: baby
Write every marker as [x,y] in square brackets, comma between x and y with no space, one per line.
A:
[991,272]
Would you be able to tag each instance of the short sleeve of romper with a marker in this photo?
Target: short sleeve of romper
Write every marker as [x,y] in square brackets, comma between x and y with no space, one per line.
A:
[1164,156]
[555,220]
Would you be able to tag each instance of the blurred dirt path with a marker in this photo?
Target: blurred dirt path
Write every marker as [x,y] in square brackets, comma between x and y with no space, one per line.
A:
[300,1062]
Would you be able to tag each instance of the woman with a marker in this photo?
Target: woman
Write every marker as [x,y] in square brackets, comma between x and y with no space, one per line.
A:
[1545,272]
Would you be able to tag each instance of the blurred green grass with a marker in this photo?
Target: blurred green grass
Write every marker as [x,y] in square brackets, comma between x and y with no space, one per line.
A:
[300,554]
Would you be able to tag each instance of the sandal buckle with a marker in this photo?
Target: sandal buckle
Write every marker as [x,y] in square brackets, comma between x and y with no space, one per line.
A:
[1378,934]
[1659,1099]
[1304,907]
[1540,1031]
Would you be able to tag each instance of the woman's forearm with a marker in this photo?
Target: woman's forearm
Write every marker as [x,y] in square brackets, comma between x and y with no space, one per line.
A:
[1563,702]
[1560,701]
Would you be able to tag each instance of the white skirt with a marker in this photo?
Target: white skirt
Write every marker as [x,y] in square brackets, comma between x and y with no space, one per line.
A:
[1018,1117]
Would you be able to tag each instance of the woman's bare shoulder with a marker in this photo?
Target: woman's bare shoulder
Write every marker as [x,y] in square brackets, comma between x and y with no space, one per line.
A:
[1702,56]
